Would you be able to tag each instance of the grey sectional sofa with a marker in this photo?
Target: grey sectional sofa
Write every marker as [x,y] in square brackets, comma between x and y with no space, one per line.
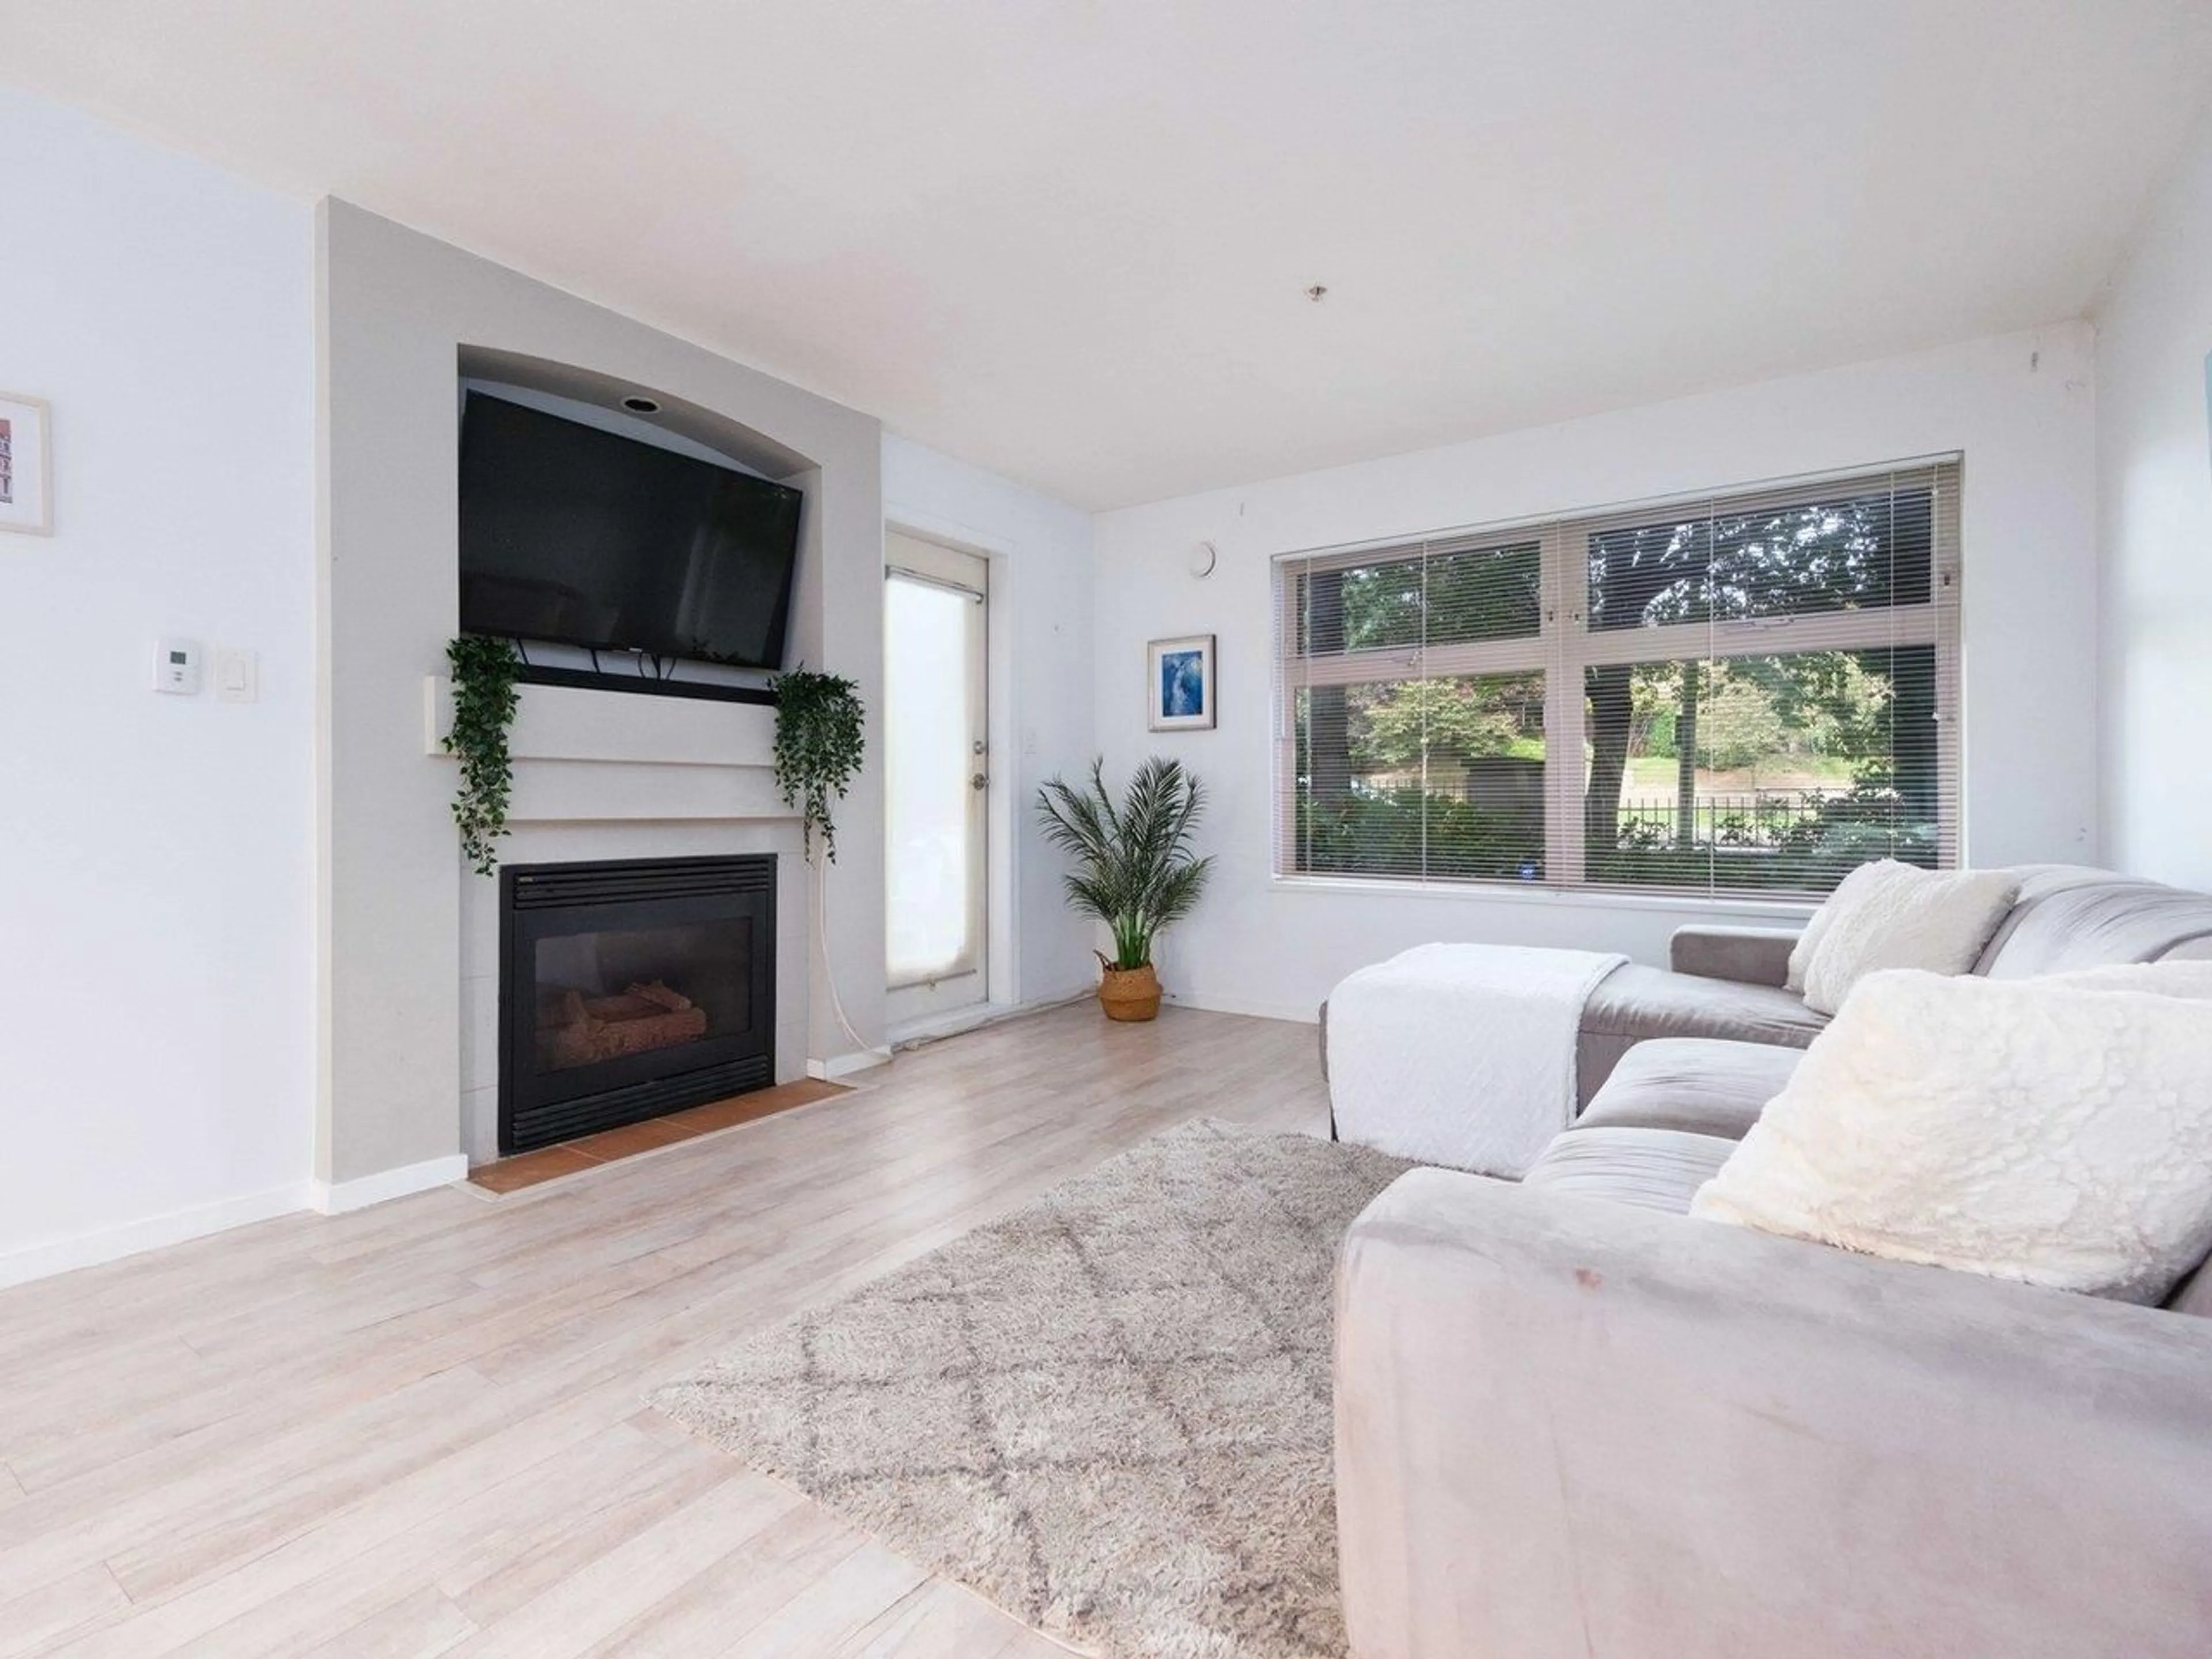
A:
[1728,981]
[1573,1421]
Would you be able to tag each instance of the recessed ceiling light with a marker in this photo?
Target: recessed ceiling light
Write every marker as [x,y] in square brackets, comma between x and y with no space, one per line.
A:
[638,405]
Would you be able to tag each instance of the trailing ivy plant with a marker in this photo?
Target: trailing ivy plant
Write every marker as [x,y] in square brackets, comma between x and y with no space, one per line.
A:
[818,748]
[485,699]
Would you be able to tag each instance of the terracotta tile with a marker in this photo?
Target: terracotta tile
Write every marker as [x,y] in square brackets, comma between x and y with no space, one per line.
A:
[611,1144]
[528,1168]
[762,1103]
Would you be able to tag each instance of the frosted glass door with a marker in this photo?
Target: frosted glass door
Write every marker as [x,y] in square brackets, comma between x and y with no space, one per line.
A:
[937,779]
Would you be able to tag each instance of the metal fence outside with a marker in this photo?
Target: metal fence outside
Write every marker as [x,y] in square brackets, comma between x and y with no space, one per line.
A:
[1766,818]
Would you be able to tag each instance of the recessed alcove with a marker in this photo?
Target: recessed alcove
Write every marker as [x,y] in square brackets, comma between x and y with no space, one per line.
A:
[587,398]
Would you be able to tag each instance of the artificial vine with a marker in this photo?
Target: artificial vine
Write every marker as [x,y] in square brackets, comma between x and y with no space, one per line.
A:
[485,699]
[818,747]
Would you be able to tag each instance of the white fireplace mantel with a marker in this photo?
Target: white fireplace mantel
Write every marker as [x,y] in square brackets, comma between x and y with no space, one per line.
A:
[584,755]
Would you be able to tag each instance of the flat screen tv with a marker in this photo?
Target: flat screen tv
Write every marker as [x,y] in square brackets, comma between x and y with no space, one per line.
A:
[580,537]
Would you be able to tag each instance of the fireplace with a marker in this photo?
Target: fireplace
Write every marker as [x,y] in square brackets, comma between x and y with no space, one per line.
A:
[631,989]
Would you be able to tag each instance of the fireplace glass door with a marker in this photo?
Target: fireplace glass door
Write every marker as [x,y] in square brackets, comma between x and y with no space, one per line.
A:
[610,992]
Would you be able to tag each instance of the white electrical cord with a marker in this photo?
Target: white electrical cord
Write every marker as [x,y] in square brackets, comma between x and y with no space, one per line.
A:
[821,873]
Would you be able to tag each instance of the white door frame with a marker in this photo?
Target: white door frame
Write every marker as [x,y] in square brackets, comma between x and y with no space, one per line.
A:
[1002,814]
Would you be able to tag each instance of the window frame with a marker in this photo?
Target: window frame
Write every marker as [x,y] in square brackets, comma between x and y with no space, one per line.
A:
[1565,646]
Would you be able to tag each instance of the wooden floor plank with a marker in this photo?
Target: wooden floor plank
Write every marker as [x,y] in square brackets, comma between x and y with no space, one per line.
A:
[419,1627]
[938,1621]
[57,1608]
[419,1429]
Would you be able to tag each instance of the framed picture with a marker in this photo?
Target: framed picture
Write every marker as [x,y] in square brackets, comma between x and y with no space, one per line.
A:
[1182,681]
[27,472]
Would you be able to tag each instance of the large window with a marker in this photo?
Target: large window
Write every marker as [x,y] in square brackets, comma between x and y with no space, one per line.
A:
[1750,694]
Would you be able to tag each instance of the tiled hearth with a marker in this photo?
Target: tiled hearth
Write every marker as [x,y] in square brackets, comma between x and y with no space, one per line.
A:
[527,1169]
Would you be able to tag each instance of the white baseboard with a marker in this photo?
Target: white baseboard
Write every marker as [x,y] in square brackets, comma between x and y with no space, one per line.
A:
[976,1017]
[837,1065]
[134,1238]
[335,1198]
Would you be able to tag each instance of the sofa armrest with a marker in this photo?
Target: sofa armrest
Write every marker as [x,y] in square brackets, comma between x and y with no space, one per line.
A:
[1566,1427]
[1750,955]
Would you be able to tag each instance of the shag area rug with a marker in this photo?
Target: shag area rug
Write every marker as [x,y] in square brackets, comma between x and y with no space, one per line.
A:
[1108,1412]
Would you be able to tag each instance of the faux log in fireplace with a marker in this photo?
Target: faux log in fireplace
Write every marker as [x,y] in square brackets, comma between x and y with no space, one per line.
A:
[631,989]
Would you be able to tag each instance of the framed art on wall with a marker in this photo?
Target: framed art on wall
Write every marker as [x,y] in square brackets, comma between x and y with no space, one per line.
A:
[1181,678]
[26,469]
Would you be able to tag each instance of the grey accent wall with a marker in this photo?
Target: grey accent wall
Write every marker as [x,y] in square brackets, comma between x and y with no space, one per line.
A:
[394,311]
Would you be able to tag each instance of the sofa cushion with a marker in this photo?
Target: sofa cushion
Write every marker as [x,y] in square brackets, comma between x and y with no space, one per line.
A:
[2065,922]
[1652,1168]
[1701,1085]
[1635,1003]
[1638,1002]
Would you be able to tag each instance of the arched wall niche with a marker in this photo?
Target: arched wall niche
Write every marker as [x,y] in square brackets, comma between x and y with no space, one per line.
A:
[722,432]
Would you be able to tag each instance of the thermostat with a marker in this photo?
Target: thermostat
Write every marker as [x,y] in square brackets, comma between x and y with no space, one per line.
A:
[177,667]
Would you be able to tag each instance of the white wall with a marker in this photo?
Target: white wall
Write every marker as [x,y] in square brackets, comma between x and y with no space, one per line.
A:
[156,947]
[2021,408]
[1042,718]
[2154,471]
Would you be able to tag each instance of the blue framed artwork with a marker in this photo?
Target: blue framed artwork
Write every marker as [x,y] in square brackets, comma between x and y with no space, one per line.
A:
[1181,680]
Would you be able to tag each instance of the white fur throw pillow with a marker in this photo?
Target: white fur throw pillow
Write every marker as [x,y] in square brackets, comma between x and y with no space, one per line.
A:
[1897,915]
[2056,1131]
[1856,888]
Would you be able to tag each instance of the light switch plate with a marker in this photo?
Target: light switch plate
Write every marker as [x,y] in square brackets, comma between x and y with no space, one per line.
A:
[237,676]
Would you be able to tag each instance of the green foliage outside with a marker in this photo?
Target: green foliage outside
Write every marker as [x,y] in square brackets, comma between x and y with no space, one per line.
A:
[1415,830]
[1451,721]
[1780,843]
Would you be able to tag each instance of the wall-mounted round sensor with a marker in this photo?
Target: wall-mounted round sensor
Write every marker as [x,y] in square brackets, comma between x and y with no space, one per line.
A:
[1202,558]
[638,405]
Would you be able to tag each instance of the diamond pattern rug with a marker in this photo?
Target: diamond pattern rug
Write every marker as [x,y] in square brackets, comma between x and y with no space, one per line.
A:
[1108,1412]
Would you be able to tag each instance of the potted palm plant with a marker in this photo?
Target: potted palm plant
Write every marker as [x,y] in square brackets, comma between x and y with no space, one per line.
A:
[1135,869]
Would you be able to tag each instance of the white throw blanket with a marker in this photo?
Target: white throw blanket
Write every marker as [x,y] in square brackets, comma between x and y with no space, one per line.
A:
[1460,1054]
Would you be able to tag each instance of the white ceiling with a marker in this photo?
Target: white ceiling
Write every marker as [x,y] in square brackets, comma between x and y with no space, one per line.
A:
[1068,239]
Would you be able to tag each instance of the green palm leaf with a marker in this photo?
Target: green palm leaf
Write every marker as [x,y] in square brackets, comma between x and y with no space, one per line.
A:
[1137,866]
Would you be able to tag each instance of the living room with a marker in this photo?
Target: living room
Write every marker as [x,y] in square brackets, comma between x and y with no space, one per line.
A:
[1219,1180]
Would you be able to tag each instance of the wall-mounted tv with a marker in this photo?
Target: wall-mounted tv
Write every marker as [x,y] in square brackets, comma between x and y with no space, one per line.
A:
[580,537]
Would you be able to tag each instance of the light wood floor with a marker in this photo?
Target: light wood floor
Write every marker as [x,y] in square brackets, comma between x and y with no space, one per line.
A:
[419,1429]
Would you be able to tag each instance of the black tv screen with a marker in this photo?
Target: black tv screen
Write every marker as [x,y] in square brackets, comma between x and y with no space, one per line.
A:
[580,537]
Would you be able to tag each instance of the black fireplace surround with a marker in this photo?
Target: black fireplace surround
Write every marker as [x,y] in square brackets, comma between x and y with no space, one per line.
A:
[630,989]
